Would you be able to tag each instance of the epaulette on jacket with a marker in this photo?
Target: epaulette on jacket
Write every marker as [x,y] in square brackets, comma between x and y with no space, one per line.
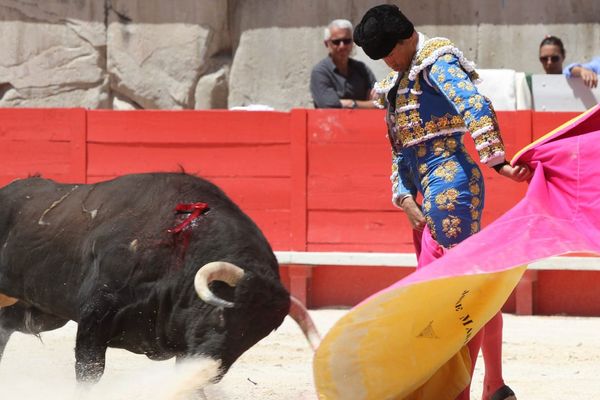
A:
[432,49]
[383,87]
[435,48]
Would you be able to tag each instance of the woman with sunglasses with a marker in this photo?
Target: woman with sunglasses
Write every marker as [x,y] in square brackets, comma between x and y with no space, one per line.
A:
[552,56]
[339,81]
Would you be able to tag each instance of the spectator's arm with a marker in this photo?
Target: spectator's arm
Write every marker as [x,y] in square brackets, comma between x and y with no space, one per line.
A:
[348,103]
[370,96]
[567,70]
[323,93]
[583,71]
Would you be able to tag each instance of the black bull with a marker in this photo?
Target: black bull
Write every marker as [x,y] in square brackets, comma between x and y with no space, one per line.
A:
[135,274]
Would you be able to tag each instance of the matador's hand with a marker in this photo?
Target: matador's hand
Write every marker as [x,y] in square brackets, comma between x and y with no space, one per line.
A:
[518,173]
[413,213]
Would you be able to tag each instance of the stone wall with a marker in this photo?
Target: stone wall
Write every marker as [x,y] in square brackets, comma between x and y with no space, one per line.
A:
[204,54]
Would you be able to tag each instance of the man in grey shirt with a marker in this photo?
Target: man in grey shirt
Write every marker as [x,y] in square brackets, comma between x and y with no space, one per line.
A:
[339,81]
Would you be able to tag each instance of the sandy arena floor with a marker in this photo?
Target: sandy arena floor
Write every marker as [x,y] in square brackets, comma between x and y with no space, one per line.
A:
[546,358]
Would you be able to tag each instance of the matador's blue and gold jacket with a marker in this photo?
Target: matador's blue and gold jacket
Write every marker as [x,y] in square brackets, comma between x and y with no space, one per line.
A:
[437,97]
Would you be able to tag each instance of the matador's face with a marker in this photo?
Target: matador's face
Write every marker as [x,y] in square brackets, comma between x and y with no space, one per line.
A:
[400,58]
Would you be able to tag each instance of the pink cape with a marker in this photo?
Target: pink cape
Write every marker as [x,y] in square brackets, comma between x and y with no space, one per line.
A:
[378,349]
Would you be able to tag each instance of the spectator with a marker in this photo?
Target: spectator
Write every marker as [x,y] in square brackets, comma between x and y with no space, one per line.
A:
[339,81]
[552,56]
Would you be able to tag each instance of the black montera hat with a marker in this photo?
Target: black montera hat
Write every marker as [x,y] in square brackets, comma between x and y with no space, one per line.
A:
[380,29]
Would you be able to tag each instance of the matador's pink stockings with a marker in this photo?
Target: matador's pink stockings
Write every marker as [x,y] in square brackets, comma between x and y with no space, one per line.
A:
[489,339]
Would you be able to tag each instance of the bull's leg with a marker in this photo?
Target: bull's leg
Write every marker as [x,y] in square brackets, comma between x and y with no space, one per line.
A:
[4,337]
[24,318]
[93,332]
[5,329]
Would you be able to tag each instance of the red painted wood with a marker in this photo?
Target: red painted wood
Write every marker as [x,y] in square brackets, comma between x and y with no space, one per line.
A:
[47,159]
[49,142]
[544,122]
[248,192]
[330,126]
[366,159]
[515,127]
[218,126]
[524,293]
[360,229]
[108,159]
[315,180]
[246,153]
[35,156]
[349,168]
[78,159]
[257,192]
[299,280]
[347,286]
[568,292]
[402,246]
[275,225]
[50,124]
[350,192]
[298,194]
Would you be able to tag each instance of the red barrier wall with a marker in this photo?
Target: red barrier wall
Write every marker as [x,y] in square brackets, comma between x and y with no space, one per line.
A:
[246,154]
[315,180]
[51,142]
[544,122]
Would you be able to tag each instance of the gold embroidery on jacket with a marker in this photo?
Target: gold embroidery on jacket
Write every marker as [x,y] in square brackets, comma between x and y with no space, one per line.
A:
[426,206]
[430,47]
[447,170]
[447,199]
[451,226]
[475,199]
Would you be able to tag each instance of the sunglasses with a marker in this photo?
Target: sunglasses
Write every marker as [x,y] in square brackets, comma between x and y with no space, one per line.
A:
[554,59]
[336,42]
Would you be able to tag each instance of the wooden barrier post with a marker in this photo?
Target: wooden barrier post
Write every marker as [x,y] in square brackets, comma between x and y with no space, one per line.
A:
[524,293]
[299,179]
[299,282]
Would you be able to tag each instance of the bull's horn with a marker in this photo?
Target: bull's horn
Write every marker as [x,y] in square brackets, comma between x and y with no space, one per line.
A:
[216,271]
[299,314]
[6,301]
